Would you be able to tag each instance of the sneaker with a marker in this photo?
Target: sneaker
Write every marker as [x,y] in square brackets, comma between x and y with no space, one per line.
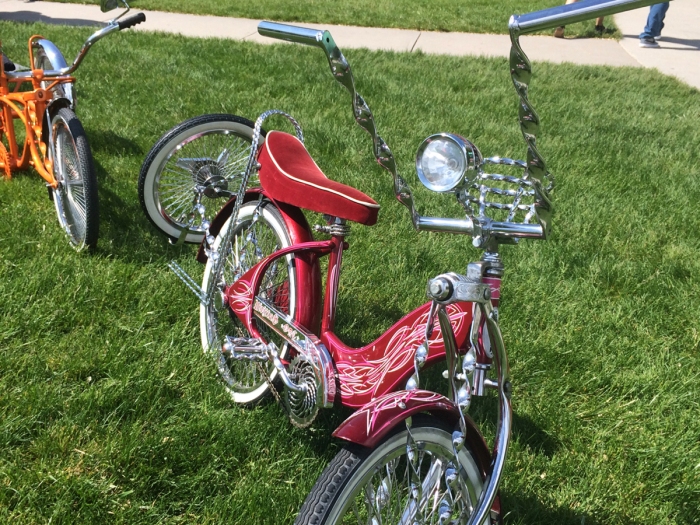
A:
[559,32]
[600,29]
[648,42]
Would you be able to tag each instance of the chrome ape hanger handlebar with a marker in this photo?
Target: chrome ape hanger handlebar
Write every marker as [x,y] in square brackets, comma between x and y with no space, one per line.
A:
[536,175]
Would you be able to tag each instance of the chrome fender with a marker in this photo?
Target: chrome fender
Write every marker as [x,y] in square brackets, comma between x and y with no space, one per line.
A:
[48,56]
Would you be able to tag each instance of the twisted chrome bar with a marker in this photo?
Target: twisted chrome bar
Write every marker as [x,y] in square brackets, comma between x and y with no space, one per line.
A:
[571,13]
[521,73]
[217,260]
[363,115]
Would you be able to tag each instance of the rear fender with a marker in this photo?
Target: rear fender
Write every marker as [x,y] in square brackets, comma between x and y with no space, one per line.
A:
[308,272]
[294,219]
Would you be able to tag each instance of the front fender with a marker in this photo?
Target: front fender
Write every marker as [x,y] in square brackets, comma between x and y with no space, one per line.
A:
[376,419]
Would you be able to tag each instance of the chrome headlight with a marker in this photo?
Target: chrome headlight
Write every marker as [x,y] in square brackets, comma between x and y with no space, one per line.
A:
[443,159]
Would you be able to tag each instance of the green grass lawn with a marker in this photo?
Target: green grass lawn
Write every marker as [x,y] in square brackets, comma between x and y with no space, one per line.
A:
[473,16]
[109,412]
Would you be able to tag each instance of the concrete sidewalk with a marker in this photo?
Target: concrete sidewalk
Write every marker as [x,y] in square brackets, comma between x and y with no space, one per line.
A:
[679,54]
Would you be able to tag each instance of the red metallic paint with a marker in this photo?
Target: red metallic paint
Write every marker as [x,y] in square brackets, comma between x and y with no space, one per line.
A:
[308,272]
[241,293]
[368,425]
[386,364]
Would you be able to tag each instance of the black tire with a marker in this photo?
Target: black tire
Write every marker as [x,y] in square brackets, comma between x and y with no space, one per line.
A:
[207,148]
[76,196]
[356,472]
[252,240]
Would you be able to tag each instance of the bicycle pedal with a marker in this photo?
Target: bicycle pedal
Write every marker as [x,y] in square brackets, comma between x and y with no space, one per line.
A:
[49,188]
[245,349]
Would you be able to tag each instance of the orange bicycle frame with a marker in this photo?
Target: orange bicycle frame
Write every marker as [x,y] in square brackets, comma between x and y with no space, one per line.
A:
[29,107]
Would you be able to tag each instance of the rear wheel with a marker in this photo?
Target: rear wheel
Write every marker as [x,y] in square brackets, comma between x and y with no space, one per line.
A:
[382,485]
[210,151]
[259,231]
[75,197]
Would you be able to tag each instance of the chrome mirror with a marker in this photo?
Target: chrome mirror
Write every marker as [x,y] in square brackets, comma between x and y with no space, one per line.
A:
[108,5]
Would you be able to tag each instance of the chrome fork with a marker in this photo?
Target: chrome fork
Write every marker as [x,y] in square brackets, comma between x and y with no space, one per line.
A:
[447,289]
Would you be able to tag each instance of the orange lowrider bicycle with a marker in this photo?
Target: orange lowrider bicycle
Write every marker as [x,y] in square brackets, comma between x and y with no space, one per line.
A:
[38,128]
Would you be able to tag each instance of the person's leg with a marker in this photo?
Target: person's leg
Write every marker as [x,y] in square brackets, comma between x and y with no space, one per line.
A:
[660,15]
[559,31]
[599,27]
[655,21]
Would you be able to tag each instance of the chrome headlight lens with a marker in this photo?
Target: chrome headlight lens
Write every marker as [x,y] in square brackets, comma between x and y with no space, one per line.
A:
[443,159]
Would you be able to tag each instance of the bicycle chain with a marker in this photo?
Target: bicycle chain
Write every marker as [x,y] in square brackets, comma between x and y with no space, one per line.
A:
[273,389]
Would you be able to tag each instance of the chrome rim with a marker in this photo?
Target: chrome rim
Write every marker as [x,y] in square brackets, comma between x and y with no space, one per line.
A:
[71,201]
[211,159]
[429,490]
[253,241]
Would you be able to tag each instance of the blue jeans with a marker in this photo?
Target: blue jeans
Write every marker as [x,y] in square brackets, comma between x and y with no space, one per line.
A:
[655,21]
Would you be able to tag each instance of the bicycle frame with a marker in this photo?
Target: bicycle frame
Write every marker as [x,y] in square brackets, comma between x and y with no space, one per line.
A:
[30,108]
[381,379]
[363,373]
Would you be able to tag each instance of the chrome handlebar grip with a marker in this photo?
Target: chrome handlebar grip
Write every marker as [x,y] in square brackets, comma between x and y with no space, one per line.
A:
[300,35]
[503,230]
[439,224]
[513,230]
[571,13]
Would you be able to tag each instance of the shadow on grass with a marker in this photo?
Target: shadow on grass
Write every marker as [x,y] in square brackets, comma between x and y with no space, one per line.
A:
[31,17]
[529,434]
[688,507]
[520,508]
[125,228]
[108,142]
[382,317]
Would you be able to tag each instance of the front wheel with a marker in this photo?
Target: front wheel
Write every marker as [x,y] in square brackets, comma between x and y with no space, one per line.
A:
[75,197]
[208,151]
[382,485]
[259,231]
